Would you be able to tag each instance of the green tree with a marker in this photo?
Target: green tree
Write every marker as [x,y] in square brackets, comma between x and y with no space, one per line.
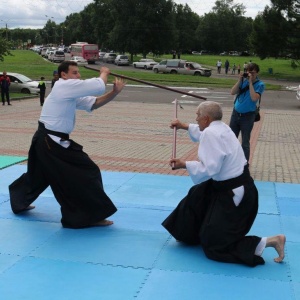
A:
[186,23]
[5,47]
[104,22]
[142,26]
[87,26]
[73,28]
[267,37]
[276,31]
[225,28]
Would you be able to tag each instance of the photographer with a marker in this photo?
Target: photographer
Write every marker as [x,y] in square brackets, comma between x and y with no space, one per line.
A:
[248,90]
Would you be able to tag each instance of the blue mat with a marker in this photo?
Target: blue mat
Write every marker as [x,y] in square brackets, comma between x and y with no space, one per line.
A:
[136,258]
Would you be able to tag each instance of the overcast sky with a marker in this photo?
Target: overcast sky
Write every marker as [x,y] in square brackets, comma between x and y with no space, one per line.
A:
[35,13]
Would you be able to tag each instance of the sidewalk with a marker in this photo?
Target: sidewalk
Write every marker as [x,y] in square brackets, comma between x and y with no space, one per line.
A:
[135,137]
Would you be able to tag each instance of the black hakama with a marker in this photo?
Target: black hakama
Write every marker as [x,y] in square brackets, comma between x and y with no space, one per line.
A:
[73,177]
[208,216]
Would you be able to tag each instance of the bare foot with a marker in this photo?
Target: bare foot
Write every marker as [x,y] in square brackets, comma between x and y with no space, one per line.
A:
[103,223]
[29,207]
[277,242]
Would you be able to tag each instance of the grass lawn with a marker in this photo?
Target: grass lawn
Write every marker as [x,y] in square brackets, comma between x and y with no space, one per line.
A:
[34,66]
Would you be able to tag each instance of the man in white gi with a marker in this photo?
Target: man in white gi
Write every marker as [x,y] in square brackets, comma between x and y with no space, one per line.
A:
[56,160]
[221,207]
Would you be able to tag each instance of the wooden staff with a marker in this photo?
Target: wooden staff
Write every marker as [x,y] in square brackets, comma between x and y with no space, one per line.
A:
[174,134]
[150,83]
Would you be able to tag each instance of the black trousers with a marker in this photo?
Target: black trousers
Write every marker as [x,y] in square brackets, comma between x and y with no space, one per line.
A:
[5,94]
[73,177]
[42,97]
[209,217]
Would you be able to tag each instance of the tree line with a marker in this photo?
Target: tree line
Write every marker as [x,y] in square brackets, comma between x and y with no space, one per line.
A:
[161,26]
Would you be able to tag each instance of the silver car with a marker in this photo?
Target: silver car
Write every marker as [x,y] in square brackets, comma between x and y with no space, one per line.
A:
[122,60]
[101,54]
[57,56]
[298,93]
[22,84]
[177,66]
[109,57]
[145,63]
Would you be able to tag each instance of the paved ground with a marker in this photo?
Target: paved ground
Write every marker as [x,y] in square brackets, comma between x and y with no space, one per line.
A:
[135,137]
[136,258]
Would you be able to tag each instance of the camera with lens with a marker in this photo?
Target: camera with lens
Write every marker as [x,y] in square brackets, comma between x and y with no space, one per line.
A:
[245,75]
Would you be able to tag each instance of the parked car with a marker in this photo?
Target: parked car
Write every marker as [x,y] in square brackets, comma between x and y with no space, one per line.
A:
[233,53]
[223,53]
[122,60]
[43,52]
[109,57]
[244,53]
[56,56]
[145,63]
[49,54]
[22,84]
[79,60]
[196,53]
[177,66]
[101,54]
[48,50]
[298,93]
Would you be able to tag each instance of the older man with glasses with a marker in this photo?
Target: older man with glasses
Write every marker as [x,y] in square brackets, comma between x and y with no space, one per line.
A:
[248,90]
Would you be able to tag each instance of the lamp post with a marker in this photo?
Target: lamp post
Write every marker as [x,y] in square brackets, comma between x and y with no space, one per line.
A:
[62,34]
[6,29]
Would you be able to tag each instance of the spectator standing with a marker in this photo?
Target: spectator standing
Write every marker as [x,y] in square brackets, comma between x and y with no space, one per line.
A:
[226,66]
[42,87]
[5,83]
[248,91]
[239,69]
[219,66]
[55,78]
[233,69]
[245,67]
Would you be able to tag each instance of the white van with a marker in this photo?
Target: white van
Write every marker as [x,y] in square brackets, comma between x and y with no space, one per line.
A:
[44,52]
[57,56]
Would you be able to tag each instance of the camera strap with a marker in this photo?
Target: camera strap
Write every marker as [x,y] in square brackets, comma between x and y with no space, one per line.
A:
[244,90]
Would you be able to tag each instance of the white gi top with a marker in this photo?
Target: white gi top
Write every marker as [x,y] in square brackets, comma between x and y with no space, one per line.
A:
[59,109]
[220,154]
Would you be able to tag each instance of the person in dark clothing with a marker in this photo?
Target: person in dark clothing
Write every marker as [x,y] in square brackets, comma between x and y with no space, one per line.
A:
[42,87]
[4,84]
[226,66]
[219,210]
[54,79]
[56,160]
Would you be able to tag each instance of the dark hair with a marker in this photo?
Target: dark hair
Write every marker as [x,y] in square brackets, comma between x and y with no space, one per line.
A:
[64,66]
[253,66]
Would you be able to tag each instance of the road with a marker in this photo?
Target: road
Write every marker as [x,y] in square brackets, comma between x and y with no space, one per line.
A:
[278,100]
